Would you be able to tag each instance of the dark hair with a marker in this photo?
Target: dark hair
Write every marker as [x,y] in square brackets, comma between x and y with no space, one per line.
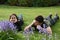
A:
[14,15]
[39,18]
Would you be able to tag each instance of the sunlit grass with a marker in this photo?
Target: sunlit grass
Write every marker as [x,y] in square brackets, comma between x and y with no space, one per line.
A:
[29,14]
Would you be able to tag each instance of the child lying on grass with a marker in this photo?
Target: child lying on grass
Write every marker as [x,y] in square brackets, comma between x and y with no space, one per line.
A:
[43,25]
[13,24]
[39,25]
[16,21]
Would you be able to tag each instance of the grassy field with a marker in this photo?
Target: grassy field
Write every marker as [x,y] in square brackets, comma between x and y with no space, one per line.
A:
[29,13]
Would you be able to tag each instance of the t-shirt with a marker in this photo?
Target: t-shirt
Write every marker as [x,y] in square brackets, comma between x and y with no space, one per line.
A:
[18,25]
[43,25]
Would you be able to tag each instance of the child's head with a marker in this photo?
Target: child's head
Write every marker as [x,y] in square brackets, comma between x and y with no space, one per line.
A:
[13,18]
[39,20]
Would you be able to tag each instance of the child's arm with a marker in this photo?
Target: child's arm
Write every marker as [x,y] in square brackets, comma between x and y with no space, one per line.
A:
[27,27]
[49,30]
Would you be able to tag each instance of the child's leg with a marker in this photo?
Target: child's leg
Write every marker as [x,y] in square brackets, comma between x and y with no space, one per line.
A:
[20,19]
[49,18]
[52,22]
[56,17]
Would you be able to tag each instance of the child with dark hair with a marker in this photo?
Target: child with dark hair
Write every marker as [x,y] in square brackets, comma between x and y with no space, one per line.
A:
[13,24]
[40,25]
[15,20]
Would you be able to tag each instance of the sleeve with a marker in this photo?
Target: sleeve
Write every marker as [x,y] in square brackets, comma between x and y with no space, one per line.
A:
[45,25]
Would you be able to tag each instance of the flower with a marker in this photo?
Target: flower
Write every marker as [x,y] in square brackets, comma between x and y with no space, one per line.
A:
[6,25]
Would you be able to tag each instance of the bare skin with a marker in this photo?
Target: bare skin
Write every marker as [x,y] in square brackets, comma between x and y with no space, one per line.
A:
[13,19]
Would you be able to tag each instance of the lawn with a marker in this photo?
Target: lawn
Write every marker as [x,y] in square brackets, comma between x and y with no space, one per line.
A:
[29,13]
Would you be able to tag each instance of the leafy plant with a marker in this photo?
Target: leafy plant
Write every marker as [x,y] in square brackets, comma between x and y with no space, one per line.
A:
[8,35]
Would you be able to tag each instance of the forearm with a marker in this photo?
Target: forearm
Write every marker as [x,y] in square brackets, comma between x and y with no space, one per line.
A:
[27,27]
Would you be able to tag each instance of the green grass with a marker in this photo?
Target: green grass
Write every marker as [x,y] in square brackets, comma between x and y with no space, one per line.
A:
[29,13]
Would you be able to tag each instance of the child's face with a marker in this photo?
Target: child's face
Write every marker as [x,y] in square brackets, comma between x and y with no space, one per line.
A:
[37,23]
[13,19]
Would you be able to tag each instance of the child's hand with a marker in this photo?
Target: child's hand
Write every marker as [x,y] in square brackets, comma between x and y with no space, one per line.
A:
[33,21]
[27,27]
